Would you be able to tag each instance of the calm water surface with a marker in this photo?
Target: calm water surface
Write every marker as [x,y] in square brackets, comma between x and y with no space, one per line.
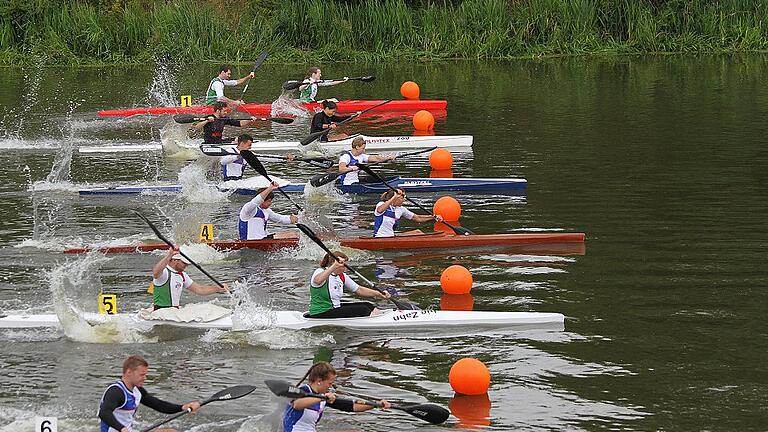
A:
[661,161]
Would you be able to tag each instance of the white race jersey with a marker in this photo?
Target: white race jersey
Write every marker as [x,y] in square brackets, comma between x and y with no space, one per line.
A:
[253,219]
[351,160]
[125,413]
[384,224]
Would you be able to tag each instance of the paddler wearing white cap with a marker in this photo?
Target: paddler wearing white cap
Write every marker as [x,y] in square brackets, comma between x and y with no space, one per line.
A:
[169,279]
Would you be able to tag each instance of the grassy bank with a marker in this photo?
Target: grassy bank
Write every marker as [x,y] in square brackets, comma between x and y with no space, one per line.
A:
[136,31]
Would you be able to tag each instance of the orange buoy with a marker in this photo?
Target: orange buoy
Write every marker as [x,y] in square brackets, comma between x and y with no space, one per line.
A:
[457,302]
[410,90]
[472,411]
[440,159]
[448,208]
[456,279]
[423,120]
[469,376]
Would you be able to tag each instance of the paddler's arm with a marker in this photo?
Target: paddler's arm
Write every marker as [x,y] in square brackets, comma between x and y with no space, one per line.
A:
[199,125]
[113,399]
[381,208]
[335,267]
[420,218]
[157,270]
[344,165]
[368,292]
[381,158]
[306,402]
[245,78]
[201,289]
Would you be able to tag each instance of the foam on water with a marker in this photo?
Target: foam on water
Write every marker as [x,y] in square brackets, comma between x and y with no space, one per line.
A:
[196,189]
[286,105]
[176,143]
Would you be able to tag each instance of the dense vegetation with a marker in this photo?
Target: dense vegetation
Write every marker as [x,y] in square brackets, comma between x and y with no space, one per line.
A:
[116,31]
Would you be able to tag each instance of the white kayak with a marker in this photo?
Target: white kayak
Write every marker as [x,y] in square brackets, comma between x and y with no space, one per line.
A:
[389,319]
[452,142]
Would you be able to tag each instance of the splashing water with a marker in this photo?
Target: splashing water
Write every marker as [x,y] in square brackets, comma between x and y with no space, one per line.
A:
[286,105]
[163,88]
[195,187]
[77,283]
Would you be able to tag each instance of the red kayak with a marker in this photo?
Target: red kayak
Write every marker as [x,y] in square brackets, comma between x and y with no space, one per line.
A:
[436,240]
[266,109]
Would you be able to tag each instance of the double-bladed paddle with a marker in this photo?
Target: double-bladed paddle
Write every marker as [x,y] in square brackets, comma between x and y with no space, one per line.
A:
[402,305]
[371,172]
[313,136]
[294,84]
[256,164]
[217,150]
[256,65]
[169,243]
[323,179]
[235,392]
[192,118]
[429,412]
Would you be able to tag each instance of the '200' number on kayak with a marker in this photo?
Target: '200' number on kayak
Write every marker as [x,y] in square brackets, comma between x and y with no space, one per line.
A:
[412,315]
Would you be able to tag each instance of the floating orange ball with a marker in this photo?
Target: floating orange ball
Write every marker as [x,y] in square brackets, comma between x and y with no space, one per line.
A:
[448,208]
[410,90]
[440,159]
[469,376]
[456,280]
[423,120]
[457,302]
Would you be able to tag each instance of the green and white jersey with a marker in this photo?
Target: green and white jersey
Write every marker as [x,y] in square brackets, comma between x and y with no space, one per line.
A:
[216,89]
[327,296]
[309,92]
[169,286]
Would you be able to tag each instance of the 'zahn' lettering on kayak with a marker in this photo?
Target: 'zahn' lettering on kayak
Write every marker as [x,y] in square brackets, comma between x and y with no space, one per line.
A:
[410,315]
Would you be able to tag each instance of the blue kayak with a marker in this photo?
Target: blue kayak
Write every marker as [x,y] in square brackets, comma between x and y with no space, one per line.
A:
[409,184]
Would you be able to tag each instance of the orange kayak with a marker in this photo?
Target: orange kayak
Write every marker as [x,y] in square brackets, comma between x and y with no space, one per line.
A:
[436,240]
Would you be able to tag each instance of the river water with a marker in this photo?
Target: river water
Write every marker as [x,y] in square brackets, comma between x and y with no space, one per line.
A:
[661,161]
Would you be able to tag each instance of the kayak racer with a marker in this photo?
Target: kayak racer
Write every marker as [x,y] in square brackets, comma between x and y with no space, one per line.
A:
[255,214]
[122,398]
[213,125]
[348,161]
[308,89]
[326,289]
[390,210]
[215,92]
[169,280]
[303,414]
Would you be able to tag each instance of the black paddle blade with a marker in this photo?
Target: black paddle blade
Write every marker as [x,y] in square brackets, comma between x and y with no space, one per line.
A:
[235,392]
[281,120]
[217,150]
[260,60]
[292,84]
[368,78]
[318,162]
[284,389]
[323,179]
[187,118]
[432,413]
[313,136]
[154,228]
[255,163]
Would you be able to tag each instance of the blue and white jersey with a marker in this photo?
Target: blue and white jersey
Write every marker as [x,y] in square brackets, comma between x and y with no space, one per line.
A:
[125,413]
[349,159]
[384,224]
[232,167]
[303,420]
[253,219]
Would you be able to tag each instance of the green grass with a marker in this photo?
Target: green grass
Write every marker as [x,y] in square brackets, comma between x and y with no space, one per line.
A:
[136,31]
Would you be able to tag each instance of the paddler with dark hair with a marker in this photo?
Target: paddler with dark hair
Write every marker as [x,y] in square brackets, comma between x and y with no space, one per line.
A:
[232,166]
[327,118]
[122,398]
[213,125]
[312,81]
[215,91]
[303,414]
[169,280]
[389,211]
[348,161]
[327,286]
[255,214]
